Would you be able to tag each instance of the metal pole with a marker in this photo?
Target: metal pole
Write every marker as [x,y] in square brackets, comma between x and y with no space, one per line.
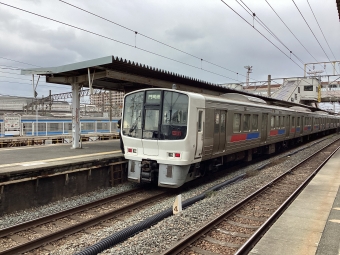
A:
[76,141]
[269,81]
[110,108]
[50,97]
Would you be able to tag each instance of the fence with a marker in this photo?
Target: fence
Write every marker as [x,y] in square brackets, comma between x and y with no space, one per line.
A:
[54,127]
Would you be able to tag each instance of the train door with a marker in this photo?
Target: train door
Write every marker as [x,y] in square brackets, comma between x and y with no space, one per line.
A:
[223,115]
[216,131]
[200,133]
[264,126]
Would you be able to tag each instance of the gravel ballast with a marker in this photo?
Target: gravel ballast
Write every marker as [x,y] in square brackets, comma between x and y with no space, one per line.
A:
[162,235]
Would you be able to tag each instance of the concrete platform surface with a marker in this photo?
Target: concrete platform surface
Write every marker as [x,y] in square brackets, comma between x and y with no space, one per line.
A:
[311,225]
[23,158]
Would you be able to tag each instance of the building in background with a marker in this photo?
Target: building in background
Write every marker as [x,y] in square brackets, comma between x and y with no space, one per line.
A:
[108,100]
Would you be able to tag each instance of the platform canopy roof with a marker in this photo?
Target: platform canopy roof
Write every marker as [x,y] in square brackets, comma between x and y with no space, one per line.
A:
[113,73]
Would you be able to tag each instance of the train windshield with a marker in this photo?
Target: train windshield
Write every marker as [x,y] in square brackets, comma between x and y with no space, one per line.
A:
[156,115]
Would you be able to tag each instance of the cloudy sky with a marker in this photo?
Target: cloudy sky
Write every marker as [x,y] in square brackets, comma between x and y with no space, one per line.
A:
[203,29]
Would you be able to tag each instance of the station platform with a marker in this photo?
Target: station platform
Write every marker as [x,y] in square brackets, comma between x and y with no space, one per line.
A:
[36,175]
[311,224]
[27,161]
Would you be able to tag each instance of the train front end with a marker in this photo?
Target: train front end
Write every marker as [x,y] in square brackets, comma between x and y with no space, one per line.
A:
[156,138]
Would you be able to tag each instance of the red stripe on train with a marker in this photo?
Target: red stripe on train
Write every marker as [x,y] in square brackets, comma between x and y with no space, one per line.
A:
[273,132]
[239,137]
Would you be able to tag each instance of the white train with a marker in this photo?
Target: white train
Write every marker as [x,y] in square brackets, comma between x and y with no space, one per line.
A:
[172,136]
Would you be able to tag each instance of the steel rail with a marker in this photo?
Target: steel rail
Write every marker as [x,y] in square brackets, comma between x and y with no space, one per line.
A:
[79,226]
[250,243]
[195,235]
[58,215]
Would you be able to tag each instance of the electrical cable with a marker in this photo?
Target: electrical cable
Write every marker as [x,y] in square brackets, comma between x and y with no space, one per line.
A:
[251,13]
[261,34]
[20,62]
[31,83]
[320,29]
[112,39]
[311,30]
[150,38]
[13,77]
[291,31]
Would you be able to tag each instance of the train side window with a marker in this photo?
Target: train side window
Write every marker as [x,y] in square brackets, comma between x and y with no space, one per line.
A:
[255,122]
[246,123]
[288,122]
[298,122]
[217,123]
[200,113]
[277,122]
[293,121]
[222,122]
[272,122]
[282,121]
[237,123]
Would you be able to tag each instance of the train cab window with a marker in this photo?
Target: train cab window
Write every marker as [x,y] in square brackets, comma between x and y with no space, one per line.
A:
[175,116]
[255,122]
[237,123]
[132,122]
[246,123]
[222,123]
[272,122]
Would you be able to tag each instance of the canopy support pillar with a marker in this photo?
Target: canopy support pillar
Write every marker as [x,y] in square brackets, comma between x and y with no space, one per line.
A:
[76,139]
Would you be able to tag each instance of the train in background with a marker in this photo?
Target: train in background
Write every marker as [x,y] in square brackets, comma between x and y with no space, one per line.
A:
[172,137]
[60,126]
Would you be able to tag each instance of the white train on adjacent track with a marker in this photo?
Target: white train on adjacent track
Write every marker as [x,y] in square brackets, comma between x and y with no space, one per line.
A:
[171,137]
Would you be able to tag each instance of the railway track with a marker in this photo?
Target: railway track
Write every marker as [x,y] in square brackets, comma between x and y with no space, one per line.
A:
[237,230]
[36,233]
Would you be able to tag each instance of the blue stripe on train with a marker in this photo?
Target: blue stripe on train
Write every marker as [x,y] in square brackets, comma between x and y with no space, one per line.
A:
[252,136]
[281,131]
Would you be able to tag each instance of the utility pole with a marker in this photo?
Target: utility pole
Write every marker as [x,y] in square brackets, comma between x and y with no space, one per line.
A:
[269,83]
[249,70]
[110,108]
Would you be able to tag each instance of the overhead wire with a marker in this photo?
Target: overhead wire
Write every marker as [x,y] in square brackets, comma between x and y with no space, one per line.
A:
[262,34]
[259,32]
[251,13]
[291,31]
[20,62]
[46,84]
[115,40]
[320,29]
[13,77]
[311,30]
[150,38]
